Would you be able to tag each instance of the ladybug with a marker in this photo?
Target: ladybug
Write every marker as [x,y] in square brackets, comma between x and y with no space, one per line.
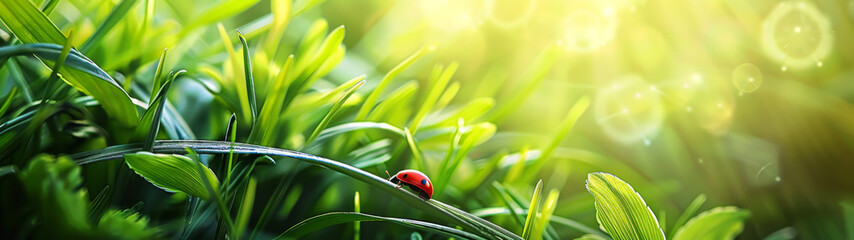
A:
[417,181]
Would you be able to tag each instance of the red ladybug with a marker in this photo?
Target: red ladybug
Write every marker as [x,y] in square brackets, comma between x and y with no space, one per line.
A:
[417,181]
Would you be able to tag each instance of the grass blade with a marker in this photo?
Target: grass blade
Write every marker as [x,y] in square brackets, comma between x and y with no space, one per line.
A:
[272,108]
[245,209]
[30,25]
[620,210]
[566,125]
[533,210]
[433,207]
[532,76]
[320,221]
[439,85]
[689,211]
[250,83]
[335,108]
[158,78]
[369,103]
[356,208]
[543,219]
[115,16]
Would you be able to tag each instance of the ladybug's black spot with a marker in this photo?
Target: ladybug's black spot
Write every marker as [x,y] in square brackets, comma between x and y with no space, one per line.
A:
[404,175]
[423,181]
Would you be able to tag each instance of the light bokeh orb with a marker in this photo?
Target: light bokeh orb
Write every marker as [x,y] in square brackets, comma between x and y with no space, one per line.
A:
[509,13]
[713,105]
[797,35]
[449,15]
[747,77]
[588,28]
[628,110]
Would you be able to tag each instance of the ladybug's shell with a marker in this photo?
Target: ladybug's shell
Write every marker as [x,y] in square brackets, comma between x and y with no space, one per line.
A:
[416,180]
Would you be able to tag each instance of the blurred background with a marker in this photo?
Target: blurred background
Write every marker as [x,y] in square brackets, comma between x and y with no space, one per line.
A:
[748,102]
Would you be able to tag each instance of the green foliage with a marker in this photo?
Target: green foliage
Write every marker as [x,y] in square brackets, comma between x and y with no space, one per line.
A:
[717,223]
[621,211]
[533,210]
[289,81]
[174,173]
[54,185]
[318,222]
[31,26]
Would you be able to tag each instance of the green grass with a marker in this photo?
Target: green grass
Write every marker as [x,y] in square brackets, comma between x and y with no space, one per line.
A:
[253,126]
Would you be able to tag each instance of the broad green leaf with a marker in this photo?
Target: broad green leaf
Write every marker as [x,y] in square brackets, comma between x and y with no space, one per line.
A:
[30,25]
[324,220]
[788,233]
[369,102]
[533,209]
[359,81]
[591,237]
[715,224]
[174,173]
[114,17]
[621,211]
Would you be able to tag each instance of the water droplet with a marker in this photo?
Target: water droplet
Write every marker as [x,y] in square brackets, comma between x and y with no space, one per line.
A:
[747,77]
[797,29]
[777,178]
[646,142]
[784,68]
[819,64]
[689,109]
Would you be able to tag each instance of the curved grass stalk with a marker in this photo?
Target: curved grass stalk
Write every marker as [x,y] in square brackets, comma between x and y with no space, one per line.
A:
[433,207]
